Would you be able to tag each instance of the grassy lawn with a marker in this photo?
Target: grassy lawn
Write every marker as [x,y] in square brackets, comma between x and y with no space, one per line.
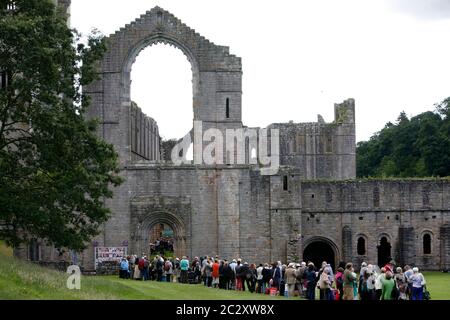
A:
[438,284]
[23,280]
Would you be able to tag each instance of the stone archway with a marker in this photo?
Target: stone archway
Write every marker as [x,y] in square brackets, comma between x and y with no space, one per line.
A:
[319,249]
[153,218]
[217,77]
[384,248]
[149,210]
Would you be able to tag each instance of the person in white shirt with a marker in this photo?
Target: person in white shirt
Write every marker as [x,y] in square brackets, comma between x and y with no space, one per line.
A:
[418,281]
[379,283]
[259,279]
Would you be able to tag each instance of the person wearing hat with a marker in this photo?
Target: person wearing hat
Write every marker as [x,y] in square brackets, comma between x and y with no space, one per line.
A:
[290,276]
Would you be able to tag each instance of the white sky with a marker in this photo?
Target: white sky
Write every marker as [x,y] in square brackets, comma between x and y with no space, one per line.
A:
[299,57]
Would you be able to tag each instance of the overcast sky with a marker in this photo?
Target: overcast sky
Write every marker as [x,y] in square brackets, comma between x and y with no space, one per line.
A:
[299,57]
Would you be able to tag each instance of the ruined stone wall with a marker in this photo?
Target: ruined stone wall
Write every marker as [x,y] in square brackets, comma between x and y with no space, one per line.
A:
[321,150]
[226,211]
[217,74]
[232,210]
[403,211]
[145,139]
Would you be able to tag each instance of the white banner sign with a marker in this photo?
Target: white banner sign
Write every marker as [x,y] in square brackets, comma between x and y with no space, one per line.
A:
[103,254]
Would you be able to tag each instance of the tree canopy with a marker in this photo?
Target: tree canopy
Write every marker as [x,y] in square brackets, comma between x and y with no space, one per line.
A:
[416,147]
[55,172]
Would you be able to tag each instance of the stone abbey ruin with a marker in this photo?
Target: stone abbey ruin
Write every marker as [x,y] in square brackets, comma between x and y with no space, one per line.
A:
[313,208]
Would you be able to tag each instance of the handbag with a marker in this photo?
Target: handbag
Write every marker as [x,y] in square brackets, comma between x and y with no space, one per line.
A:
[395,293]
[426,293]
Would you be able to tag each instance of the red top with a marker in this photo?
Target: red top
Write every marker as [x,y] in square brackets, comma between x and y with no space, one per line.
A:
[215,272]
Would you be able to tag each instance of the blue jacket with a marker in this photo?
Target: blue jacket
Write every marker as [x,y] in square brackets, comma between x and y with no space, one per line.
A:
[124,265]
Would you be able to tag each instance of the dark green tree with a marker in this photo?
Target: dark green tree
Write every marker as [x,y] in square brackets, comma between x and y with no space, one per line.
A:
[415,147]
[55,173]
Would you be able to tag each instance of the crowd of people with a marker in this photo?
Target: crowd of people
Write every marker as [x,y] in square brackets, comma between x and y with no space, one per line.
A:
[161,246]
[302,279]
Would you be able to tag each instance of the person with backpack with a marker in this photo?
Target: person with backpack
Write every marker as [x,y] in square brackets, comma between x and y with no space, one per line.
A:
[145,270]
[168,270]
[340,282]
[251,278]
[325,285]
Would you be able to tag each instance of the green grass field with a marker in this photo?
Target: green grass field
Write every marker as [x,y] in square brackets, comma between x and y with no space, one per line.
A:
[23,280]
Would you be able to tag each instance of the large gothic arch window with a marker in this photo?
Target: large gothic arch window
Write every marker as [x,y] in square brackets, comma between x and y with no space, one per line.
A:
[161,86]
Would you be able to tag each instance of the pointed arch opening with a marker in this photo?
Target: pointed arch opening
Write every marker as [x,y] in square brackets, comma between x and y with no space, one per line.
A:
[161,87]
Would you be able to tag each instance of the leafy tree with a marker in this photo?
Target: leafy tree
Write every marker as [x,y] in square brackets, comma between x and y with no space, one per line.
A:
[414,147]
[54,171]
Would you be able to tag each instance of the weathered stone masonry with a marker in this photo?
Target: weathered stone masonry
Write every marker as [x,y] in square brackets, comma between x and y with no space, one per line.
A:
[234,211]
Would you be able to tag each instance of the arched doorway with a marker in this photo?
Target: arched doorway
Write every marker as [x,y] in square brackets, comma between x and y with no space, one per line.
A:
[161,225]
[319,250]
[384,251]
[161,240]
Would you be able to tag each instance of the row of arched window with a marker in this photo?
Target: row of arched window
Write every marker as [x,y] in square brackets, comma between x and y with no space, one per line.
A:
[426,245]
[376,196]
